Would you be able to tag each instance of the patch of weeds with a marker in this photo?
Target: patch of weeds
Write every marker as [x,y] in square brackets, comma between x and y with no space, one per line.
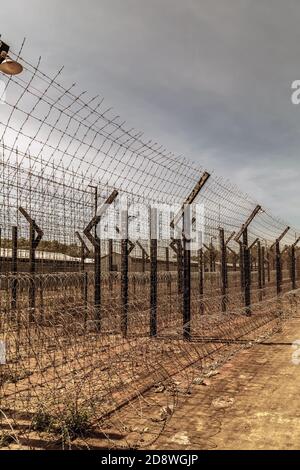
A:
[76,423]
[6,439]
[42,421]
[70,425]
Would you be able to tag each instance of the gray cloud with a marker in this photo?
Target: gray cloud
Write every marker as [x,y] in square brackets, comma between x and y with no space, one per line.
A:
[209,79]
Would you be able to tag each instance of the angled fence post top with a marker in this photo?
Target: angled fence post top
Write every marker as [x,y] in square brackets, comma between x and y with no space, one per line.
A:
[208,248]
[253,243]
[296,242]
[278,240]
[190,198]
[230,238]
[96,219]
[232,251]
[174,245]
[86,250]
[257,209]
[34,225]
[138,243]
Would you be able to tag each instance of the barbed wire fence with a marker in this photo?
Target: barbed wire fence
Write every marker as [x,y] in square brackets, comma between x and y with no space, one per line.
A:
[106,319]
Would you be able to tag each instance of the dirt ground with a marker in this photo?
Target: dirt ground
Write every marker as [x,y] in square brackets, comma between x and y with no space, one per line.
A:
[251,403]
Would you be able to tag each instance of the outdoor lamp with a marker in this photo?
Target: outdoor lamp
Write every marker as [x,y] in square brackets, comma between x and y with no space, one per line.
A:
[8,65]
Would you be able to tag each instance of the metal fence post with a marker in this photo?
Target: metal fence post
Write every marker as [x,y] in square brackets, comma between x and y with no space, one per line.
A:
[179,266]
[201,278]
[184,262]
[96,242]
[169,280]
[97,293]
[110,263]
[263,273]
[124,272]
[211,257]
[293,263]
[35,236]
[223,269]
[241,262]
[153,272]
[277,260]
[268,266]
[293,267]
[32,270]
[82,258]
[247,271]
[245,268]
[84,251]
[259,269]
[167,259]
[278,267]
[186,274]
[14,267]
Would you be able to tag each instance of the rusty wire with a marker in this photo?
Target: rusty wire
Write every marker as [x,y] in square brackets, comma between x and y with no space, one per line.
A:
[70,378]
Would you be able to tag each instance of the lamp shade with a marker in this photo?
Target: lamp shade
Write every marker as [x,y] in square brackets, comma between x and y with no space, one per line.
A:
[10,67]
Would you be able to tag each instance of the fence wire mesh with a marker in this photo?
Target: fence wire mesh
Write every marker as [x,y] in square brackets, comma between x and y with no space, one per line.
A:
[104,335]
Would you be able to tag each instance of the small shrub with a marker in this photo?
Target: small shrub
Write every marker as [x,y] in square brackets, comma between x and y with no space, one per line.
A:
[42,421]
[77,422]
[72,424]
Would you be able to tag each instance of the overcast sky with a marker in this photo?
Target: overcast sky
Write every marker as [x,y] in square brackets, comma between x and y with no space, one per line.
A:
[207,79]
